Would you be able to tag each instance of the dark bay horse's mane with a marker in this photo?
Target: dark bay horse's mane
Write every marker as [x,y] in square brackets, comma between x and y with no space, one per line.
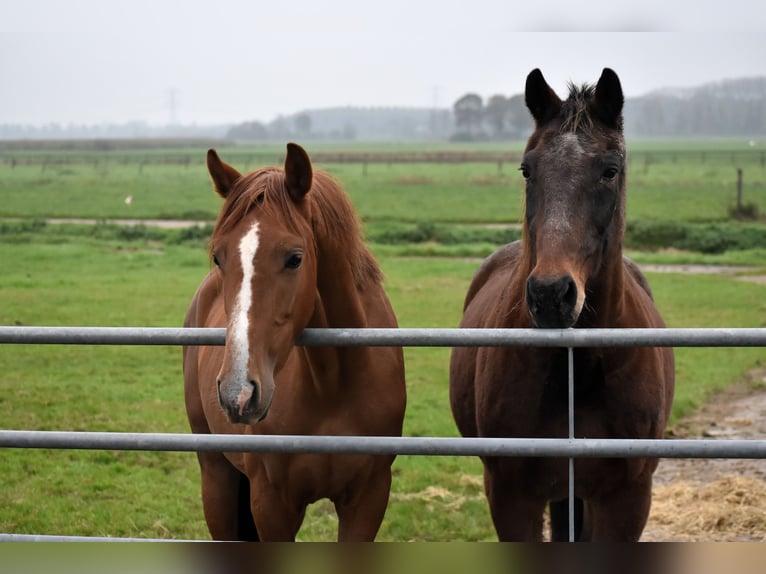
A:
[334,223]
[575,112]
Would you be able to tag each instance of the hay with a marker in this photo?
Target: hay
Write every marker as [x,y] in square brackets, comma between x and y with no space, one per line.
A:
[733,508]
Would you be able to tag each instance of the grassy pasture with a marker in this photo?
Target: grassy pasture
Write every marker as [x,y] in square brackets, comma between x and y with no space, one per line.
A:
[108,388]
[106,276]
[672,186]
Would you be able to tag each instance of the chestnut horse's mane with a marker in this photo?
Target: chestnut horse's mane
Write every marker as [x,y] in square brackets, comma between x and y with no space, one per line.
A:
[334,223]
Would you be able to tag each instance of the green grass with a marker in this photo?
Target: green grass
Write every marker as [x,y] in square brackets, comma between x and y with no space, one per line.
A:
[140,389]
[112,276]
[80,190]
[96,185]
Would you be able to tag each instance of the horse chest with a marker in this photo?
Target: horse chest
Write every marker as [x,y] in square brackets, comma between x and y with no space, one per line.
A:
[307,477]
[588,379]
[530,398]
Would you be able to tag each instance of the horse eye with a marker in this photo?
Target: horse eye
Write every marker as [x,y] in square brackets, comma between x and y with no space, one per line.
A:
[294,261]
[609,174]
[524,171]
[215,260]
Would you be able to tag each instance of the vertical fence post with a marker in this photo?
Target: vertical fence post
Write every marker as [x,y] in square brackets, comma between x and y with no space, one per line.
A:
[739,190]
[570,387]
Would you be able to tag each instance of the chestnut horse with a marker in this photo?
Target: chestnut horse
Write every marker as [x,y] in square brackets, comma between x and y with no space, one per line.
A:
[568,270]
[289,254]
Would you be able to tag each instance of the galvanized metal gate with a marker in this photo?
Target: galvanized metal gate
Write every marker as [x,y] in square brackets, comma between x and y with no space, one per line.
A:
[429,446]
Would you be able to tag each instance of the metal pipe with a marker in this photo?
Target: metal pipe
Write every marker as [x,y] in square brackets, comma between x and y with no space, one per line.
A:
[570,408]
[382,445]
[687,337]
[6,537]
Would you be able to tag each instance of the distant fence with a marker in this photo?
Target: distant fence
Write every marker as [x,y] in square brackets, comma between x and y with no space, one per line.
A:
[250,159]
[431,446]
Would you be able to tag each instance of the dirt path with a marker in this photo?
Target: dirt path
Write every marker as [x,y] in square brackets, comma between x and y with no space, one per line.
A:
[715,499]
[741,273]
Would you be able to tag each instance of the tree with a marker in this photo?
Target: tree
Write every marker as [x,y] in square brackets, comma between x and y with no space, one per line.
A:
[302,124]
[519,118]
[496,114]
[469,111]
[254,131]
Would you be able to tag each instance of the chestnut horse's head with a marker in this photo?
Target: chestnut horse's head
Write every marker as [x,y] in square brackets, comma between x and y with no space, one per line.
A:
[574,166]
[266,257]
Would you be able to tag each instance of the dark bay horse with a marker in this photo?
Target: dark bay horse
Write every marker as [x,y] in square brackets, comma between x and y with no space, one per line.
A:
[568,270]
[289,254]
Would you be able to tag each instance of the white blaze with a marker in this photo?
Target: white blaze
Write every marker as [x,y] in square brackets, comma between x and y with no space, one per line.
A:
[239,341]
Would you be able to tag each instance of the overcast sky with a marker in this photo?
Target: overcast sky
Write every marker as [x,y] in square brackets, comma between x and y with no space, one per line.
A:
[221,61]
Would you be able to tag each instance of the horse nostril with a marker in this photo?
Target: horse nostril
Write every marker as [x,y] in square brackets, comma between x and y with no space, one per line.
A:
[256,391]
[533,294]
[568,291]
[551,302]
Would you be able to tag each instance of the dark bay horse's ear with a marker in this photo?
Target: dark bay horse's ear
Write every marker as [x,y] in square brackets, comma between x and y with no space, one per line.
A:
[608,99]
[541,100]
[222,174]
[298,172]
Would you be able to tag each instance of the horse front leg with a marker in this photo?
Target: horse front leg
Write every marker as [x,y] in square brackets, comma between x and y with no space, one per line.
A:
[361,511]
[516,516]
[278,515]
[220,495]
[621,515]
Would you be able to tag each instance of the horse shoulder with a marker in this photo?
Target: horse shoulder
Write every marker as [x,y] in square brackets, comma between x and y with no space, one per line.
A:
[633,270]
[382,367]
[484,304]
[654,365]
[639,307]
[198,314]
[203,301]
[502,260]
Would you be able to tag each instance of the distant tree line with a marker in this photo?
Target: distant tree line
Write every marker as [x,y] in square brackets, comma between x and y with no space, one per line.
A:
[727,108]
[351,124]
[500,118]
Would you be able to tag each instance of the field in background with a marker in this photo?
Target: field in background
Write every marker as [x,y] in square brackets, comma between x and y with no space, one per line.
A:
[109,275]
[692,181]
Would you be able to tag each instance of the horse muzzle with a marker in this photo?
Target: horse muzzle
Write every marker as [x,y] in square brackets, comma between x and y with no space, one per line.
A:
[554,303]
[245,402]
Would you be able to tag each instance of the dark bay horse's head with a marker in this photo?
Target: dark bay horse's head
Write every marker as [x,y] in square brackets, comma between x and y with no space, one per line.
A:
[574,167]
[264,250]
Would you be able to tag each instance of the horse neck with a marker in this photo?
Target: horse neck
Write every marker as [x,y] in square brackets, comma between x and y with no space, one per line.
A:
[338,291]
[340,254]
[605,297]
[338,304]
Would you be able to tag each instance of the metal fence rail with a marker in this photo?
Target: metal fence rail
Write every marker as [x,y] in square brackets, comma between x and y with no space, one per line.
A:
[570,448]
[718,337]
[386,445]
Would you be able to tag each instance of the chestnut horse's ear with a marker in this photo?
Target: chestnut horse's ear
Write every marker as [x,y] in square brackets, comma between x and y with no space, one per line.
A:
[542,101]
[298,172]
[608,99]
[222,174]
